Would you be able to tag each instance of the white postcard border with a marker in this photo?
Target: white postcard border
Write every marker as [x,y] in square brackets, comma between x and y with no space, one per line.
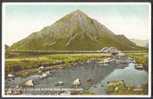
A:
[72,3]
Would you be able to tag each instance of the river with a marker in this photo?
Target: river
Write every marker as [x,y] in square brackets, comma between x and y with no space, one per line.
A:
[97,73]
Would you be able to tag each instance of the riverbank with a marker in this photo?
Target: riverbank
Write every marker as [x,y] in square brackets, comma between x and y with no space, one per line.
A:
[24,65]
[27,65]
[140,58]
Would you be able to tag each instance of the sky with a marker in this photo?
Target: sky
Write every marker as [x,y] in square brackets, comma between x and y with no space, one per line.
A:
[20,20]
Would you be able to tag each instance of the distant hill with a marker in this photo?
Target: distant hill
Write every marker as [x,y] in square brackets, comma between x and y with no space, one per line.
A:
[142,43]
[6,46]
[75,31]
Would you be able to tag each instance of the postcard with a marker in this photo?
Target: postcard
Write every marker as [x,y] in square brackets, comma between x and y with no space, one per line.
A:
[76,49]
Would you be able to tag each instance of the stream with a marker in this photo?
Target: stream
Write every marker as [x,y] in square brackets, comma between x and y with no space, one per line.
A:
[93,76]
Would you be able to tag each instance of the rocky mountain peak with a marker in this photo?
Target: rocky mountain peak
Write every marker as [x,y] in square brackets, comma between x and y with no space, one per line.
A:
[78,13]
[74,31]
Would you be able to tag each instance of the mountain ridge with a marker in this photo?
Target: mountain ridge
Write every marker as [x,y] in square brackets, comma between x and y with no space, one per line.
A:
[74,31]
[139,42]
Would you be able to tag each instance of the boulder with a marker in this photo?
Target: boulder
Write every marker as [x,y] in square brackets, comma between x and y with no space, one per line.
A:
[29,83]
[77,82]
[44,75]
[47,72]
[60,83]
[10,76]
[41,67]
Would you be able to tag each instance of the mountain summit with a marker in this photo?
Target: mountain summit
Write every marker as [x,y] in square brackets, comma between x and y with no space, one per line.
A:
[78,12]
[75,31]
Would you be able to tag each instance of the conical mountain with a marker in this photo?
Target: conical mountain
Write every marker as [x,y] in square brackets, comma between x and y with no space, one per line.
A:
[75,31]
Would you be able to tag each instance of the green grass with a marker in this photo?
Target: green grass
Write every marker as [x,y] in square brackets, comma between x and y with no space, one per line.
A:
[140,58]
[126,90]
[19,63]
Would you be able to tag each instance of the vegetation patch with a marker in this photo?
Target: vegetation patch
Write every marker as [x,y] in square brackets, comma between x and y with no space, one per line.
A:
[18,64]
[123,89]
[140,58]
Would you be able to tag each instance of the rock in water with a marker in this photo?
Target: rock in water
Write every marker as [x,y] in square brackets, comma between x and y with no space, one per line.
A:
[29,83]
[44,75]
[60,83]
[10,76]
[41,67]
[77,82]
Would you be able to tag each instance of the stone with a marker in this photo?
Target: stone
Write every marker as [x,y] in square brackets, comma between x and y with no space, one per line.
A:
[11,76]
[77,82]
[29,83]
[60,83]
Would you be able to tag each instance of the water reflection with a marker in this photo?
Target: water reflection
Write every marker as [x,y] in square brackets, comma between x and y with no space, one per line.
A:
[130,75]
[99,73]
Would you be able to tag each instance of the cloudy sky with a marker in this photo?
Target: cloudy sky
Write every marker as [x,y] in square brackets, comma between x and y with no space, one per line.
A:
[20,20]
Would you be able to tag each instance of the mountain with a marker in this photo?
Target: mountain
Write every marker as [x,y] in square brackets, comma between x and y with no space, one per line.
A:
[142,43]
[6,46]
[75,31]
